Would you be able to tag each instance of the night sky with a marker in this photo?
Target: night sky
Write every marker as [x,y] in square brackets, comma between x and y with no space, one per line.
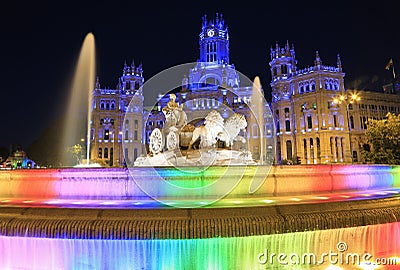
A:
[40,44]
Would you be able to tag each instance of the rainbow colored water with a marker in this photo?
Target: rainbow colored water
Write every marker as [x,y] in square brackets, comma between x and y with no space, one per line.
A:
[254,252]
[115,188]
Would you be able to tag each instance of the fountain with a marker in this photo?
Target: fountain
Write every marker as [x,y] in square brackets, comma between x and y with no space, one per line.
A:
[206,208]
[80,103]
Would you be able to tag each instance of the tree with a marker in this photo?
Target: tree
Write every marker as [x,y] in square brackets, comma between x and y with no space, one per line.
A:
[384,137]
[76,152]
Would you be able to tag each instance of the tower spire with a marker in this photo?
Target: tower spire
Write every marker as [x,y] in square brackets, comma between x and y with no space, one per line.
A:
[97,83]
[214,41]
[317,61]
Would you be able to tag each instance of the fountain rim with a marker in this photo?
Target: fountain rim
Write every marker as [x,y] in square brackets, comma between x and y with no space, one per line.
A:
[193,223]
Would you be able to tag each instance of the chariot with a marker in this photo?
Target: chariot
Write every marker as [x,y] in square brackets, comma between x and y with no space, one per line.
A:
[167,138]
[177,133]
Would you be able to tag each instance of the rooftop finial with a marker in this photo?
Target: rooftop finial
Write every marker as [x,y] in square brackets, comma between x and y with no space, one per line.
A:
[339,62]
[317,61]
[97,83]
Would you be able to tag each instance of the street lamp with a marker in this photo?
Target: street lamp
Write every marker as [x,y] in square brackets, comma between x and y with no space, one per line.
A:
[347,100]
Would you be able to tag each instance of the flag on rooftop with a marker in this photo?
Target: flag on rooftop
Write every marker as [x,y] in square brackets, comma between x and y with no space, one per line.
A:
[389,64]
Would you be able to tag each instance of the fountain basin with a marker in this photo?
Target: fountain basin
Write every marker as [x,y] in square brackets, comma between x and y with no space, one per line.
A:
[81,237]
[118,183]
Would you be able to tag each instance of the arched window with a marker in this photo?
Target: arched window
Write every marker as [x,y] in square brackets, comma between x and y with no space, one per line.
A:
[336,147]
[313,86]
[351,122]
[287,125]
[342,147]
[301,88]
[284,69]
[287,112]
[318,148]
[100,155]
[289,154]
[106,152]
[305,149]
[311,149]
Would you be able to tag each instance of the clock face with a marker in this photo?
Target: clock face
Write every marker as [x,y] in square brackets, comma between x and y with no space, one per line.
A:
[210,32]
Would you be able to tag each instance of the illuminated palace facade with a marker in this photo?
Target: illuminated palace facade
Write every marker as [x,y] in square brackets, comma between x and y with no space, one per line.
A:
[117,119]
[214,84]
[315,118]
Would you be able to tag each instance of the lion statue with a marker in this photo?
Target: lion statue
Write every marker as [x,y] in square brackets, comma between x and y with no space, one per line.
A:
[208,133]
[233,125]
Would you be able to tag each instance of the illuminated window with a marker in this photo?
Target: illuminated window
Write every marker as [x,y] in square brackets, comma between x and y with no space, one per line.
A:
[106,134]
[287,125]
[318,148]
[305,149]
[309,122]
[284,69]
[289,154]
[287,112]
[100,155]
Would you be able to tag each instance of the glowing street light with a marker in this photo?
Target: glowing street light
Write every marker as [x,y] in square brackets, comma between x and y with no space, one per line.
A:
[347,99]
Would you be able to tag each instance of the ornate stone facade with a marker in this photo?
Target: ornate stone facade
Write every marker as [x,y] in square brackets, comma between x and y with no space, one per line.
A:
[308,125]
[117,119]
[315,115]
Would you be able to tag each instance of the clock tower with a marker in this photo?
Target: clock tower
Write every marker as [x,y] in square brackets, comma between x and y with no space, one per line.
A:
[214,41]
